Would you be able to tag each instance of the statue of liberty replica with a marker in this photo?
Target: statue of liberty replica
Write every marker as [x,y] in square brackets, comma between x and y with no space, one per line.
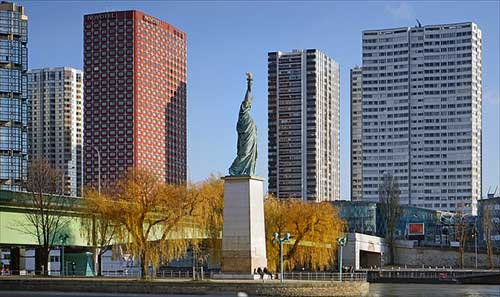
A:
[244,164]
[243,233]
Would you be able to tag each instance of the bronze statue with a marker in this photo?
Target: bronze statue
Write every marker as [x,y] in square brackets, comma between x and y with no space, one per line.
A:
[244,164]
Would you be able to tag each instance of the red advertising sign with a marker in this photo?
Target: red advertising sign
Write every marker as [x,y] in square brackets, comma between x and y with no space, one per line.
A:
[416,229]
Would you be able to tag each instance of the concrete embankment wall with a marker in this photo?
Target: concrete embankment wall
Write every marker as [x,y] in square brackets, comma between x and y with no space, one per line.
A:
[364,251]
[296,289]
[440,257]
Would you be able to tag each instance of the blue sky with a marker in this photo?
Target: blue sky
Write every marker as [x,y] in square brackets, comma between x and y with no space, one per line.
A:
[226,39]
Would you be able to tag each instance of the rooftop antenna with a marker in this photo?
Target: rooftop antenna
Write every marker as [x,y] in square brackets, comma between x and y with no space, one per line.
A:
[419,24]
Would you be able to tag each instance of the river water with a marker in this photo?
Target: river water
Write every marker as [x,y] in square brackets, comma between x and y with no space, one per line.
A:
[422,290]
[376,290]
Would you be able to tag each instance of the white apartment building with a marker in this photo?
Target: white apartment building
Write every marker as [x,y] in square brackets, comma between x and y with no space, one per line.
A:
[56,121]
[422,93]
[303,123]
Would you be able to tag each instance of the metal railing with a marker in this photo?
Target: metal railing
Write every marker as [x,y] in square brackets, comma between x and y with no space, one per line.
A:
[427,268]
[326,276]
[198,274]
[173,274]
[419,274]
[133,273]
[51,273]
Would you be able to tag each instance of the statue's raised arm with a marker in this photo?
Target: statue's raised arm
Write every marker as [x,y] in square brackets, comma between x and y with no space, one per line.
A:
[247,102]
[244,164]
[249,81]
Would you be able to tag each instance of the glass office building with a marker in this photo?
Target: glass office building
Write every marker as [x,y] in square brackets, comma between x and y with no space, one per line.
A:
[492,205]
[13,95]
[438,227]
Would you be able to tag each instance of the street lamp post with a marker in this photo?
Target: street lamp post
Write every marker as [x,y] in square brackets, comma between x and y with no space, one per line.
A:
[276,237]
[63,238]
[342,241]
[475,234]
[476,247]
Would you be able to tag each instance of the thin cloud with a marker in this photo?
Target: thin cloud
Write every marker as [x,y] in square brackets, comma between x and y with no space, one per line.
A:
[401,11]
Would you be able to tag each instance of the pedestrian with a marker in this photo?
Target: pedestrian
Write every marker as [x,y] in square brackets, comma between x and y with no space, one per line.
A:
[268,272]
[261,273]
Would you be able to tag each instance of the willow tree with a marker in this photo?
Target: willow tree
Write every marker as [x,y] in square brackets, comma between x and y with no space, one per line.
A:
[99,229]
[314,228]
[156,221]
[209,215]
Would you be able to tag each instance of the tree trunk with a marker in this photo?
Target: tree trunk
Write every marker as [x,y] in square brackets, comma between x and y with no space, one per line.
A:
[393,252]
[95,248]
[392,247]
[144,266]
[489,250]
[99,265]
[489,243]
[461,251]
[42,260]
[95,259]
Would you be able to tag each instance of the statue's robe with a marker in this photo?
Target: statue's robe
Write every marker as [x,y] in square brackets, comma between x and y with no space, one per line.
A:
[244,164]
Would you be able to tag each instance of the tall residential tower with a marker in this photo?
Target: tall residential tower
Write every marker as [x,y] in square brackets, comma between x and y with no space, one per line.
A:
[13,96]
[56,122]
[356,134]
[304,151]
[135,96]
[422,92]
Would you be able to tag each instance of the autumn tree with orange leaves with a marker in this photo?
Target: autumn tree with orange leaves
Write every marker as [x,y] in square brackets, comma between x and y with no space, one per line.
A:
[99,228]
[211,217]
[157,221]
[314,228]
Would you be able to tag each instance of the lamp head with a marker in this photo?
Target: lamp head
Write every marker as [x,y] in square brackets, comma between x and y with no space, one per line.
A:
[63,237]
[275,236]
[287,236]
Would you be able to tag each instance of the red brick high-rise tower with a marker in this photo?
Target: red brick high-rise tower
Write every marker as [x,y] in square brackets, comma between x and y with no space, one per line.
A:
[135,96]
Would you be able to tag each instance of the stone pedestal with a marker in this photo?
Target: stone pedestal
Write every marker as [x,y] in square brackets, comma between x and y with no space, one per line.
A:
[243,235]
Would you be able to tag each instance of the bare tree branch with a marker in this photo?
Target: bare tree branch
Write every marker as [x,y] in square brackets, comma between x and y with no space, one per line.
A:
[45,221]
[390,209]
